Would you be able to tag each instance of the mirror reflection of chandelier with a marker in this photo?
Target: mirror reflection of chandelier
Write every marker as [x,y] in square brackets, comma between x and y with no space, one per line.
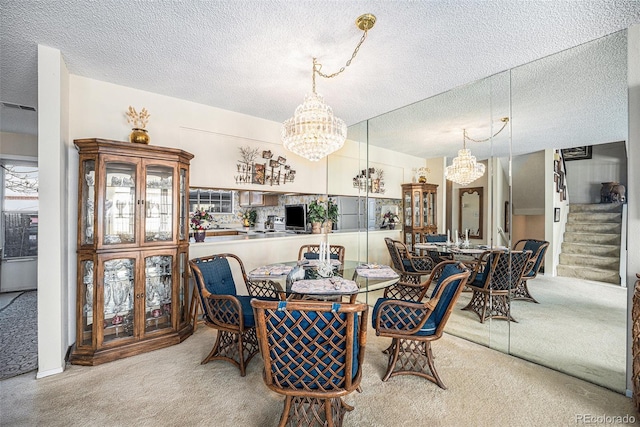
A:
[465,169]
[314,132]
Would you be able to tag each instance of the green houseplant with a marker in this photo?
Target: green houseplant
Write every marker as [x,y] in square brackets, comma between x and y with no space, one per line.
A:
[320,213]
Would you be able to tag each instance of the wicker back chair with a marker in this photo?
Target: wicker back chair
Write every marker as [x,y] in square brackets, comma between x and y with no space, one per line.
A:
[313,252]
[538,249]
[413,326]
[223,309]
[313,354]
[494,277]
[409,266]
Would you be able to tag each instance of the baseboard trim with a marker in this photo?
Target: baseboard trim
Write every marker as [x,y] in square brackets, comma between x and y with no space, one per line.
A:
[48,373]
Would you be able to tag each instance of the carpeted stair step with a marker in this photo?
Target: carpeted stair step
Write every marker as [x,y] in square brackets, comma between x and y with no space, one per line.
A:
[594,227]
[594,217]
[607,263]
[592,238]
[599,207]
[589,273]
[590,249]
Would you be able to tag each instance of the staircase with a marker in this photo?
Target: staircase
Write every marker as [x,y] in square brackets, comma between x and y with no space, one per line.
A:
[591,247]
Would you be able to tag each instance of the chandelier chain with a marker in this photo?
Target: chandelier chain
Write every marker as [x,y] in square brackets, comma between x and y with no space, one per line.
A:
[504,120]
[318,67]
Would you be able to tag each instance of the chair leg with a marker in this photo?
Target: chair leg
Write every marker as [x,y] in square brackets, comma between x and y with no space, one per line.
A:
[393,351]
[285,412]
[432,367]
[235,348]
[478,304]
[521,293]
[194,308]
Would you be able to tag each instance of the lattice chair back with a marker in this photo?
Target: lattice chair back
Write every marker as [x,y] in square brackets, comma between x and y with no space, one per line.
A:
[396,260]
[492,287]
[313,353]
[312,251]
[231,314]
[538,249]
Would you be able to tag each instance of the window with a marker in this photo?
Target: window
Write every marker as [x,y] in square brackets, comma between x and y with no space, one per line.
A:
[214,201]
[19,209]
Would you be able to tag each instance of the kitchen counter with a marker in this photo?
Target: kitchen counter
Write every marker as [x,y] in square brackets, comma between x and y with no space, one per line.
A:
[257,248]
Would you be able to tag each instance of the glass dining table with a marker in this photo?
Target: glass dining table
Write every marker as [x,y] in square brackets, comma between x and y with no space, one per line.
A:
[319,280]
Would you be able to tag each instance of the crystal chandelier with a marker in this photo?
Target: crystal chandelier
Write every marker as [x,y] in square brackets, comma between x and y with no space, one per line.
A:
[464,168]
[314,132]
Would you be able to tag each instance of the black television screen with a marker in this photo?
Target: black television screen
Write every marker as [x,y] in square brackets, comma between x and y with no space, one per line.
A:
[295,217]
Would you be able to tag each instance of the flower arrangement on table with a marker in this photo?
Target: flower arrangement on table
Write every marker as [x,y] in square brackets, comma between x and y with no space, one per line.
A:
[390,219]
[248,217]
[200,220]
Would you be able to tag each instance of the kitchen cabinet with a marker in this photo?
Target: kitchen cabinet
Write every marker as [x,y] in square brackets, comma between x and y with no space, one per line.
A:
[419,212]
[132,278]
[257,199]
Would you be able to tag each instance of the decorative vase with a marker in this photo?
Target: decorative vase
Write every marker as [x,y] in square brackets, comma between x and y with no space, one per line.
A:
[316,227]
[199,235]
[246,222]
[392,226]
[328,226]
[422,179]
[139,136]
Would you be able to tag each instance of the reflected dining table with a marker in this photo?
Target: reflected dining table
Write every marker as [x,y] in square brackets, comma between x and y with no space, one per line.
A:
[313,278]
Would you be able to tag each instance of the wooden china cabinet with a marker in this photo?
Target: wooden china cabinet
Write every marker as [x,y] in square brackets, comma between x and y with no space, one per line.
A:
[133,248]
[419,212]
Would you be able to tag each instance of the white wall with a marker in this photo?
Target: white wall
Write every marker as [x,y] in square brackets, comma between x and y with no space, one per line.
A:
[54,282]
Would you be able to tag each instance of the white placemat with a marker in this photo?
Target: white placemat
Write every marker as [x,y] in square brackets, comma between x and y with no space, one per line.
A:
[270,270]
[325,286]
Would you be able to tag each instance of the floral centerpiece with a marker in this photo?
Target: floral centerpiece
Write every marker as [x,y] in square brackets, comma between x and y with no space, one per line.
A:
[201,220]
[248,217]
[390,219]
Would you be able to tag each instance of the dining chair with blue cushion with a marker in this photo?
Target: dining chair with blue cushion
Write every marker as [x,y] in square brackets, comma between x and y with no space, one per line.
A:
[409,266]
[312,251]
[224,310]
[313,354]
[412,326]
[495,276]
[538,249]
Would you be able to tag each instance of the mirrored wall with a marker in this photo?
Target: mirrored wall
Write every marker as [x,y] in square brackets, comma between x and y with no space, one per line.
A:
[571,99]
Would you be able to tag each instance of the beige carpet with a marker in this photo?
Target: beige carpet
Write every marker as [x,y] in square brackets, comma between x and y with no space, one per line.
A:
[169,387]
[579,328]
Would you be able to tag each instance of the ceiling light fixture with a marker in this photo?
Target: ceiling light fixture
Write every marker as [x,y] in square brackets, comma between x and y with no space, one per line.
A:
[314,132]
[464,168]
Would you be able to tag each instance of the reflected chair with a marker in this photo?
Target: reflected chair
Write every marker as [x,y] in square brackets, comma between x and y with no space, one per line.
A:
[435,255]
[413,326]
[224,310]
[313,354]
[313,252]
[409,266]
[494,277]
[538,249]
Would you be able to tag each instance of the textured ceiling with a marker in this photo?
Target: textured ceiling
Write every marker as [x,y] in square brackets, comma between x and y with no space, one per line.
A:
[254,57]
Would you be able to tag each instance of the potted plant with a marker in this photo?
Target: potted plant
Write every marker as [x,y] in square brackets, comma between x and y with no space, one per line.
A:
[200,221]
[316,215]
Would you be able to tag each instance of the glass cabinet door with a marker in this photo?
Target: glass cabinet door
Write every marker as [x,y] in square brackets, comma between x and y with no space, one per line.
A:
[119,296]
[88,194]
[158,292]
[184,204]
[158,203]
[120,203]
[87,301]
[407,208]
[416,208]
